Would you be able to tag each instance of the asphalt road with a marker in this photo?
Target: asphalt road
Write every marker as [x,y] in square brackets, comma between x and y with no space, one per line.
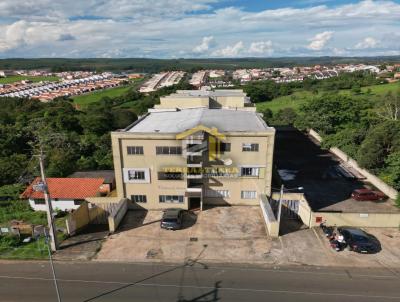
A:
[94,281]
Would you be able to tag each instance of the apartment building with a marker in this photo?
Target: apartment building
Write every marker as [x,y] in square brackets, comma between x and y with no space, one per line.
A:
[190,157]
[213,99]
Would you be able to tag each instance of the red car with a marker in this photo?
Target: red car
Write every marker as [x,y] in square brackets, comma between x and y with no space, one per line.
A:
[367,194]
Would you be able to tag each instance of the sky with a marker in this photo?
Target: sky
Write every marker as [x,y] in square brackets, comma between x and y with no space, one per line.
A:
[198,28]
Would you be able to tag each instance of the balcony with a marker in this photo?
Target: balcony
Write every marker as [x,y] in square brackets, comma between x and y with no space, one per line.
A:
[194,186]
[170,176]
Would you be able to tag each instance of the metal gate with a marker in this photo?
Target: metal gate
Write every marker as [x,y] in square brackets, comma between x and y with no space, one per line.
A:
[290,209]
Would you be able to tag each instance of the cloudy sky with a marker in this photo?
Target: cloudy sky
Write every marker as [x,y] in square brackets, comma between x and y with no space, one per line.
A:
[198,28]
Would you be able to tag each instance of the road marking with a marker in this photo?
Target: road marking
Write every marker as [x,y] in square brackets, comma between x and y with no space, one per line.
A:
[210,287]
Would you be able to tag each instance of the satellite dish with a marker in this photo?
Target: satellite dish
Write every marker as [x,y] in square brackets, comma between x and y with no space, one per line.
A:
[227,162]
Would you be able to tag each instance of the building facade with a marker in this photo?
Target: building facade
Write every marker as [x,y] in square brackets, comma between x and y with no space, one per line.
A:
[193,157]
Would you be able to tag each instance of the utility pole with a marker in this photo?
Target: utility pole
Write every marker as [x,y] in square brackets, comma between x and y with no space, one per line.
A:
[50,218]
[52,266]
[280,205]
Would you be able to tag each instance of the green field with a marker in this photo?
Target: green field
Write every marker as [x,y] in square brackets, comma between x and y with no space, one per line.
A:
[298,98]
[92,97]
[18,78]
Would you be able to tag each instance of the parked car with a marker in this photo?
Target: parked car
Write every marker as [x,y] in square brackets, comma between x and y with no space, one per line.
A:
[367,194]
[172,219]
[359,241]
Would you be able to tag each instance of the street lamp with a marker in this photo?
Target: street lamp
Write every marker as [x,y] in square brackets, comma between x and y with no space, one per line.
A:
[282,189]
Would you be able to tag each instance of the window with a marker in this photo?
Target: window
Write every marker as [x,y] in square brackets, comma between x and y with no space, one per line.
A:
[250,147]
[225,147]
[217,193]
[136,175]
[249,194]
[134,150]
[39,201]
[171,199]
[170,176]
[139,198]
[78,202]
[165,150]
[250,171]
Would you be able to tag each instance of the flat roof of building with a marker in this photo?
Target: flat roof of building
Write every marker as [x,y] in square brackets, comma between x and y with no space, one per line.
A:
[225,120]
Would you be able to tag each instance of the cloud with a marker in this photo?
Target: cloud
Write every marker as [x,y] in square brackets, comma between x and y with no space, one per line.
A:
[368,42]
[206,44]
[319,41]
[230,51]
[180,28]
[261,48]
[66,37]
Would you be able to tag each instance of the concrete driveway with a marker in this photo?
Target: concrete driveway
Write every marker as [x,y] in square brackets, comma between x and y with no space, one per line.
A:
[220,234]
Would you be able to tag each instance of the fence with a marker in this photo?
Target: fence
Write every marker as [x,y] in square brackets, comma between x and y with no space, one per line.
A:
[78,219]
[96,213]
[116,215]
[271,223]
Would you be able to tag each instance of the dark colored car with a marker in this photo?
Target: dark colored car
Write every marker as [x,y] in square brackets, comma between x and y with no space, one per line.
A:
[172,219]
[359,241]
[367,194]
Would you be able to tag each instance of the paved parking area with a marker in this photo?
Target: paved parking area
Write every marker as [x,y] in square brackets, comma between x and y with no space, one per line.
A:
[311,247]
[219,234]
[307,165]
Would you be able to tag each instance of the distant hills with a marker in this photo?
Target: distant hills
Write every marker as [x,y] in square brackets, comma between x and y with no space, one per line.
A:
[156,65]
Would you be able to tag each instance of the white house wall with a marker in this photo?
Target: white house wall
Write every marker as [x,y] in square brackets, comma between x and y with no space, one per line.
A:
[61,204]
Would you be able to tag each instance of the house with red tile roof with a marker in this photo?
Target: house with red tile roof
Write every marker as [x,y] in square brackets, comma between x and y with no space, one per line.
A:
[65,193]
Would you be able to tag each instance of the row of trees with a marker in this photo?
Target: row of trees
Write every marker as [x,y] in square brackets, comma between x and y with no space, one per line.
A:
[368,131]
[262,91]
[76,140]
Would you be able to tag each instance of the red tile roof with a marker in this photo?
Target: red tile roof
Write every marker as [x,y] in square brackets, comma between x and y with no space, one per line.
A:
[66,188]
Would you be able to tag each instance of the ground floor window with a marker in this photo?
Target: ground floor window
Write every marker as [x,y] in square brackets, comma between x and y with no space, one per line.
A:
[249,194]
[39,201]
[139,198]
[171,198]
[78,202]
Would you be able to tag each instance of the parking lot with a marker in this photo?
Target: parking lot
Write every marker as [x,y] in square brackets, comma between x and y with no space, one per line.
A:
[311,247]
[219,234]
[305,164]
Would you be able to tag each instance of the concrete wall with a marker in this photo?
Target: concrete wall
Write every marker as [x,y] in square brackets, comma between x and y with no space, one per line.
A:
[61,204]
[271,223]
[180,102]
[117,214]
[78,219]
[372,220]
[377,182]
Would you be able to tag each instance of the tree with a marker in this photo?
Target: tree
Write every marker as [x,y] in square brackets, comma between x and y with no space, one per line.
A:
[380,141]
[391,174]
[285,116]
[122,118]
[267,114]
[389,107]
[331,112]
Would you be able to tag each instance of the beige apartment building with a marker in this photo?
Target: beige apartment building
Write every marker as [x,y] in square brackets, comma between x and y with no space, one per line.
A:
[193,155]
[214,99]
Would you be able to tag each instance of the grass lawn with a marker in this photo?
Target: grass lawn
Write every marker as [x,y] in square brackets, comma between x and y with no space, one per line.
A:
[300,97]
[18,78]
[23,251]
[93,97]
[289,101]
